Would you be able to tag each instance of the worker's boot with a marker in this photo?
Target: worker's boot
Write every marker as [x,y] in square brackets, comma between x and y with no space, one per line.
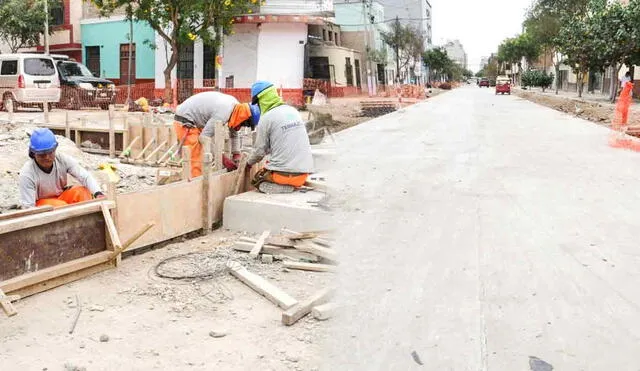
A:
[272,188]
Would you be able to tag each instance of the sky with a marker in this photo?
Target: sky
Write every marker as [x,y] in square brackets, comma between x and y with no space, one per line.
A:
[480,25]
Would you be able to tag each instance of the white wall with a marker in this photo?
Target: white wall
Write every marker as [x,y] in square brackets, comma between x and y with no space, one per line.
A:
[198,68]
[240,55]
[161,61]
[281,55]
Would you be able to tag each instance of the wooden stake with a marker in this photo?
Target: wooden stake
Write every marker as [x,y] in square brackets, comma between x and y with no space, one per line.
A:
[292,315]
[111,231]
[167,153]
[158,148]
[78,140]
[218,151]
[134,238]
[324,311]
[242,167]
[125,134]
[261,286]
[67,129]
[127,150]
[112,135]
[255,251]
[6,305]
[207,158]
[186,163]
[153,140]
[45,110]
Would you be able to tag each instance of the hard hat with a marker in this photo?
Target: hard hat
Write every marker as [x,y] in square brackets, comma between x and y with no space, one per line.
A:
[255,114]
[42,141]
[258,87]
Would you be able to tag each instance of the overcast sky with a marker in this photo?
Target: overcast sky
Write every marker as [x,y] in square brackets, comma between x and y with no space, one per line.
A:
[480,25]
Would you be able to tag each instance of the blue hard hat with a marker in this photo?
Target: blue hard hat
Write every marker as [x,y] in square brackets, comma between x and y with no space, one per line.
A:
[258,87]
[42,141]
[255,114]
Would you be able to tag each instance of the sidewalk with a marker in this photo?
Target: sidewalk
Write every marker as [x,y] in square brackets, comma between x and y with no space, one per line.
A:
[586,96]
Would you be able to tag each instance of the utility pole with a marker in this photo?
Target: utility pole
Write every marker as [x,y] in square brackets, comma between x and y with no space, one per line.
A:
[46,27]
[396,46]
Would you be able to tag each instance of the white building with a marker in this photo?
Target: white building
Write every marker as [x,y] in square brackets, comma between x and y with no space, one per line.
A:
[268,45]
[456,52]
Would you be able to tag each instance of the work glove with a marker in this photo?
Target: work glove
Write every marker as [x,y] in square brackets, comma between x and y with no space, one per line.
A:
[236,158]
[228,163]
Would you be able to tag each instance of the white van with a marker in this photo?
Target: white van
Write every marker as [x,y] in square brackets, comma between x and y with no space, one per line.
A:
[27,79]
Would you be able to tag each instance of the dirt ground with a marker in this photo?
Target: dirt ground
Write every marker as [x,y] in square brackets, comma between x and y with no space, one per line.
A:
[14,144]
[132,319]
[601,113]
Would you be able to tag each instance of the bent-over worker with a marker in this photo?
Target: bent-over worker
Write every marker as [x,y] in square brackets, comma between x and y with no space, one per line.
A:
[282,134]
[197,116]
[43,179]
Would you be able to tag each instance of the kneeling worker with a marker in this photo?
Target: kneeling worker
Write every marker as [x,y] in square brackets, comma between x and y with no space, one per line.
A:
[282,134]
[198,115]
[43,179]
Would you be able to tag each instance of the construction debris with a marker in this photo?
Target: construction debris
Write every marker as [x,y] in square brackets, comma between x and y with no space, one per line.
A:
[324,311]
[309,266]
[293,314]
[261,286]
[5,303]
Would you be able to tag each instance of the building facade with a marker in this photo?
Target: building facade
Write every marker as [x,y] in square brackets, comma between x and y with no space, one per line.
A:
[456,52]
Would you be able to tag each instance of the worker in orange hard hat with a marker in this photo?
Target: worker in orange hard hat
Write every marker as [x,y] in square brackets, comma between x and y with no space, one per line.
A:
[43,180]
[197,117]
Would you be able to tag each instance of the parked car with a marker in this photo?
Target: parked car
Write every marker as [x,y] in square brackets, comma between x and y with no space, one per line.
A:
[80,88]
[484,82]
[503,85]
[28,80]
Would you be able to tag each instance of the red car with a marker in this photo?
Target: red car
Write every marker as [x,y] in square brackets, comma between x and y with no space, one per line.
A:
[503,87]
[484,82]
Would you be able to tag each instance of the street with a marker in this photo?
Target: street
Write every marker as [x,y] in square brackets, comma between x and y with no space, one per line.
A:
[484,232]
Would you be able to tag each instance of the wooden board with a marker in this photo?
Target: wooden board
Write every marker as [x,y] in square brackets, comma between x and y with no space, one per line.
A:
[46,245]
[312,248]
[277,250]
[310,266]
[5,303]
[261,286]
[255,251]
[21,213]
[293,314]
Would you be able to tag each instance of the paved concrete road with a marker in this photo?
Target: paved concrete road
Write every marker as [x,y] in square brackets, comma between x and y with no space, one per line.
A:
[485,232]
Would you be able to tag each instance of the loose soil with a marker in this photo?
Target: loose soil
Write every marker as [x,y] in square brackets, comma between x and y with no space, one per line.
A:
[132,319]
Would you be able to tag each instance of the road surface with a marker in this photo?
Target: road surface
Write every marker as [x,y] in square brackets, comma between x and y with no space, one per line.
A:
[484,232]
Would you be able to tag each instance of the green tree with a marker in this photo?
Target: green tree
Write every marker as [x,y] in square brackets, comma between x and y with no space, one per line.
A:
[181,21]
[22,31]
[407,44]
[437,60]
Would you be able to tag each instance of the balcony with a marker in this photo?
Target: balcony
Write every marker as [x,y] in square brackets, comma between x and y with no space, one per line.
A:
[323,8]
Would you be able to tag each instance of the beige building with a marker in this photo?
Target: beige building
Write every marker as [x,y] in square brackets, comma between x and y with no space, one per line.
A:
[329,60]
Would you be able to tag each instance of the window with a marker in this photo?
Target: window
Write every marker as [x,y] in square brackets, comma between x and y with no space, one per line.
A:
[39,67]
[93,59]
[9,68]
[330,36]
[124,64]
[324,35]
[56,13]
[335,37]
[348,71]
[208,63]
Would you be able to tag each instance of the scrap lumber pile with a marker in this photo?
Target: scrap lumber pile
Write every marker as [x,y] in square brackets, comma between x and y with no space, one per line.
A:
[377,108]
[308,251]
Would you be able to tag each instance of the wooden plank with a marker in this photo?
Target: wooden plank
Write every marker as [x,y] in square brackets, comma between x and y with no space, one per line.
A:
[242,170]
[272,240]
[310,266]
[186,163]
[255,251]
[276,250]
[14,284]
[293,314]
[50,217]
[21,213]
[312,248]
[219,141]
[127,151]
[261,286]
[145,149]
[6,305]
[63,279]
[207,159]
[111,228]
[112,134]
[324,311]
[156,150]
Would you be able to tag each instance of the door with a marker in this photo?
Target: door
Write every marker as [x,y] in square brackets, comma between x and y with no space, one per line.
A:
[348,71]
[93,59]
[357,64]
[185,72]
[209,66]
[124,64]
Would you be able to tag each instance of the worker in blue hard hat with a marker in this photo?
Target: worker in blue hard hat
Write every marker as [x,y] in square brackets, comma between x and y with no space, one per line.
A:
[282,134]
[197,117]
[43,179]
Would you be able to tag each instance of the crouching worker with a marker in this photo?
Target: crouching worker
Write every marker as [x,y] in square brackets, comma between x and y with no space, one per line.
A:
[43,179]
[197,116]
[282,134]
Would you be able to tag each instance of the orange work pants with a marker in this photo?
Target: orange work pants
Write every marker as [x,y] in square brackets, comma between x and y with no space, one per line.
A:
[72,195]
[191,141]
[296,180]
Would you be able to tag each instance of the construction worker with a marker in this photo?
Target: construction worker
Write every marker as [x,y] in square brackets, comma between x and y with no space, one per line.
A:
[282,134]
[43,179]
[197,117]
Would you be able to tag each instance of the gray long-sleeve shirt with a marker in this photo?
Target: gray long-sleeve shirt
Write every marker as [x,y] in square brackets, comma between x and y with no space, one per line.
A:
[206,109]
[35,184]
[282,135]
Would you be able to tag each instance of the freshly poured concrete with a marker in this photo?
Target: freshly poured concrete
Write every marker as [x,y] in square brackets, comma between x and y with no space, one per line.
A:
[479,231]
[256,212]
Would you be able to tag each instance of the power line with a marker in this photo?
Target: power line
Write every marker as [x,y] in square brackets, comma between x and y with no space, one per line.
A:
[381,22]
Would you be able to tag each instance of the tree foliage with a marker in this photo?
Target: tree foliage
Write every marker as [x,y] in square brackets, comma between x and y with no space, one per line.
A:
[22,23]
[181,21]
[537,78]
[407,44]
